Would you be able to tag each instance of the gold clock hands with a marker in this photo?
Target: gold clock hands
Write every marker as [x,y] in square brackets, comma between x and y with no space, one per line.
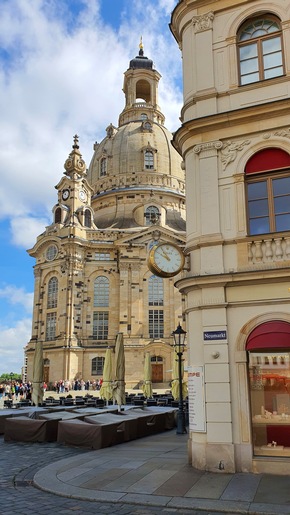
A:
[165,255]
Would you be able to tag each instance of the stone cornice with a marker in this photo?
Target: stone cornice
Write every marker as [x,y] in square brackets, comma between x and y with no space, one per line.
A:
[195,282]
[224,121]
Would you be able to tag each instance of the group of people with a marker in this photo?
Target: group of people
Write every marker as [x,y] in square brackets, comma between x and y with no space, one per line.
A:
[64,386]
[16,390]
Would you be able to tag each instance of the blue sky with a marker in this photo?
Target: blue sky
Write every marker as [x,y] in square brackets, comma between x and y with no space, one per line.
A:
[61,73]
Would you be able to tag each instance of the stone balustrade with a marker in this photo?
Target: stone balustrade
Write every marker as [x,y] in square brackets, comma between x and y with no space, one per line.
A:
[269,250]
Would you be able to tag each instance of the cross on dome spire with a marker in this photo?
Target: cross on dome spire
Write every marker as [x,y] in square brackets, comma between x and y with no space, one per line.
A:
[76,141]
[75,163]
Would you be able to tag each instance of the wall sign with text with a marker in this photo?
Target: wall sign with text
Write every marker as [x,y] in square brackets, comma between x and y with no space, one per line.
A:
[196,399]
[214,335]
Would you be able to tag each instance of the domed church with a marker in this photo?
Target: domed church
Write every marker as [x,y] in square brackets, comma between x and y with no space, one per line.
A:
[91,273]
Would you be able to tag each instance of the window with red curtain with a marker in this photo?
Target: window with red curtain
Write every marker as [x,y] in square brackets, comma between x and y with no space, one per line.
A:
[268,191]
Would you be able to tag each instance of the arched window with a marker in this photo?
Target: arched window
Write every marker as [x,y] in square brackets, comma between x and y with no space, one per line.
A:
[155,291]
[101,292]
[148,160]
[103,167]
[101,316]
[268,191]
[152,215]
[57,215]
[143,116]
[88,218]
[260,49]
[52,293]
[156,299]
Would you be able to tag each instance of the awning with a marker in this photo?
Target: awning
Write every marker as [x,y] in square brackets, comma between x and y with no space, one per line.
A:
[274,335]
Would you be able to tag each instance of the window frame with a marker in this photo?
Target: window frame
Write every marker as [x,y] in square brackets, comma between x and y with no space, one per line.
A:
[152,213]
[103,166]
[101,292]
[88,218]
[52,293]
[97,366]
[155,291]
[149,162]
[100,325]
[50,331]
[267,177]
[58,215]
[156,323]
[260,55]
[155,301]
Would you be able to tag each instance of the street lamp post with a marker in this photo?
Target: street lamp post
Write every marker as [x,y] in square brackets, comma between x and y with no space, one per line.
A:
[179,339]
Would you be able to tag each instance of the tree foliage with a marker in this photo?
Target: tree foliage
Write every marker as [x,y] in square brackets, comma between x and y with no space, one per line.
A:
[12,376]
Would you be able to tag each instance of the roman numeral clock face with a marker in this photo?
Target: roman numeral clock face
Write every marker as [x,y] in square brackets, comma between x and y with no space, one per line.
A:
[165,260]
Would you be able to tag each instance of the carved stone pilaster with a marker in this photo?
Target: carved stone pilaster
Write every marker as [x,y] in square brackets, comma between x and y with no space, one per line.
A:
[203,22]
[123,267]
[209,149]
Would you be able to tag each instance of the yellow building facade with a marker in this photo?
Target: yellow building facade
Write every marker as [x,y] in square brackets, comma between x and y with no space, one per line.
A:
[235,142]
[91,274]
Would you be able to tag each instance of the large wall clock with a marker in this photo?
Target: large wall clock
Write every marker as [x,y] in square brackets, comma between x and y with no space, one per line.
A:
[165,260]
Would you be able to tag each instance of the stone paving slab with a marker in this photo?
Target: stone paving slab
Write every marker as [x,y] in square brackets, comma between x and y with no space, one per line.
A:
[268,493]
[179,484]
[210,486]
[149,483]
[242,487]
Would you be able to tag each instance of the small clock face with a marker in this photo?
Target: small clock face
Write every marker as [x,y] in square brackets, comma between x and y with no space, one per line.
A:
[166,260]
[65,194]
[82,195]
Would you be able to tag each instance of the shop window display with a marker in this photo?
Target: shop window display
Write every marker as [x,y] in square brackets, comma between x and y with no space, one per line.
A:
[269,374]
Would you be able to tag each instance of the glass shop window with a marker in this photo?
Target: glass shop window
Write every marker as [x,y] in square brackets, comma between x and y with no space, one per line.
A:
[269,378]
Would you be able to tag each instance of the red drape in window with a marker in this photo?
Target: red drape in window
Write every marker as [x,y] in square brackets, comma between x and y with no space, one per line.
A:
[268,159]
[274,334]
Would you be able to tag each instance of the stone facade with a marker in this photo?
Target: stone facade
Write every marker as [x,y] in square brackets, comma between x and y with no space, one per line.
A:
[233,139]
[91,275]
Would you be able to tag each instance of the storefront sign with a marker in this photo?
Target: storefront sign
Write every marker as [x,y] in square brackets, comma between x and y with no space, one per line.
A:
[215,335]
[196,400]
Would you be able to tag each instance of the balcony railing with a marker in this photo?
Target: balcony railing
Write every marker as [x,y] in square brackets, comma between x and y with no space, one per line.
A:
[269,250]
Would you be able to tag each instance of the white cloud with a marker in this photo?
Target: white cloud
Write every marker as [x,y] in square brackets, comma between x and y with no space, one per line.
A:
[13,340]
[14,336]
[65,76]
[15,295]
[25,230]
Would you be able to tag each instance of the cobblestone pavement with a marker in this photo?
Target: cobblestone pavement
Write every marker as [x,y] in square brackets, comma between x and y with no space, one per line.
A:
[20,461]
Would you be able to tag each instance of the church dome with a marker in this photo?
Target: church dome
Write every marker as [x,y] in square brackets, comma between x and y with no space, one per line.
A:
[136,164]
[137,154]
